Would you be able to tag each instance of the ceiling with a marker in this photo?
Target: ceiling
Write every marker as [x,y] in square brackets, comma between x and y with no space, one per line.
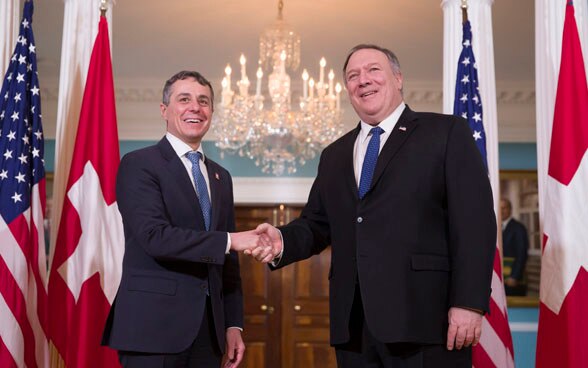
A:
[153,39]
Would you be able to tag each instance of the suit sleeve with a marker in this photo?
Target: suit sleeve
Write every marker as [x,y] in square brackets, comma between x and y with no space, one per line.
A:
[472,222]
[232,291]
[147,218]
[310,233]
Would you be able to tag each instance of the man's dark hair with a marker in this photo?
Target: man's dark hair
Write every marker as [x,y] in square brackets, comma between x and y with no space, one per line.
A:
[389,54]
[185,74]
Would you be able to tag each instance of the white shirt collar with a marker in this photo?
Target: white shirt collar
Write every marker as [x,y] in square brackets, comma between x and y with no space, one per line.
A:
[387,124]
[182,148]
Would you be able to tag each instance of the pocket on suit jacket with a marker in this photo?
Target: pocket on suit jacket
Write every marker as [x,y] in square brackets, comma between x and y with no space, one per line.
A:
[150,284]
[430,262]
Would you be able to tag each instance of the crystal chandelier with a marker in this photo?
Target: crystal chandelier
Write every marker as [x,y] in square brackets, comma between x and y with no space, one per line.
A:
[278,138]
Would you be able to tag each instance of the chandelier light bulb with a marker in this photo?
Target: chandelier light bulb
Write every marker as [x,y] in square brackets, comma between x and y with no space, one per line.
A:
[305,75]
[286,133]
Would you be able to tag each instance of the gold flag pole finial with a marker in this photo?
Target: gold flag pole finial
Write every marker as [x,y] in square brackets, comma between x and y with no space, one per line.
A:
[280,8]
[103,8]
[464,10]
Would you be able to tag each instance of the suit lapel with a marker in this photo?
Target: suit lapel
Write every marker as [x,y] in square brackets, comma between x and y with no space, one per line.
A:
[348,159]
[406,124]
[180,175]
[215,192]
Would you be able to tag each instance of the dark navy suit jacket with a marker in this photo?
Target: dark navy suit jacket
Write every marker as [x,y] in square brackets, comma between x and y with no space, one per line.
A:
[171,263]
[515,243]
[421,240]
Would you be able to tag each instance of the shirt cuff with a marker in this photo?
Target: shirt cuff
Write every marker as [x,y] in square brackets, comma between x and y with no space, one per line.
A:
[228,244]
[238,328]
[278,258]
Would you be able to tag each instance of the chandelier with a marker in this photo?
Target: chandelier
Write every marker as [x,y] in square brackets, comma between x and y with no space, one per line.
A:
[275,136]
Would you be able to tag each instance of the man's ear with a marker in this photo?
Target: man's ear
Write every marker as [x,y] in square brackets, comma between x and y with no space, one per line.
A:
[399,78]
[163,109]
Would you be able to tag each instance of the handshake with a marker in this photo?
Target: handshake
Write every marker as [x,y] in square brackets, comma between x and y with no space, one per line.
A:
[263,243]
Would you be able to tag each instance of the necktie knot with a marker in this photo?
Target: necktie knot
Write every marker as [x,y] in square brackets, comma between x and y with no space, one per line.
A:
[373,131]
[194,157]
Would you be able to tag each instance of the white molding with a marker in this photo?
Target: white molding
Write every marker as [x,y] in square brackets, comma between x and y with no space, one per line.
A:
[522,92]
[523,326]
[138,116]
[252,190]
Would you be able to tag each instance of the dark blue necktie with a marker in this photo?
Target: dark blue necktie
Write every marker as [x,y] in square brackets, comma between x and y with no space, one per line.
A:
[201,188]
[369,162]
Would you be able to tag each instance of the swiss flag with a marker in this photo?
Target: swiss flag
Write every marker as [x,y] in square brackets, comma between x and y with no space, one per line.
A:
[563,326]
[87,262]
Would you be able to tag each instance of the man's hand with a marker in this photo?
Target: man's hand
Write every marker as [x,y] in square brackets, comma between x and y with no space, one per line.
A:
[272,244]
[247,240]
[509,281]
[234,350]
[465,328]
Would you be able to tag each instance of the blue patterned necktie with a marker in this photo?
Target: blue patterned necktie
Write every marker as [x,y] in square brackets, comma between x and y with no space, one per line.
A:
[201,188]
[369,162]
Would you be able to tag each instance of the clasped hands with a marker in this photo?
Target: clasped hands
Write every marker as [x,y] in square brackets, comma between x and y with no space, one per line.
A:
[264,243]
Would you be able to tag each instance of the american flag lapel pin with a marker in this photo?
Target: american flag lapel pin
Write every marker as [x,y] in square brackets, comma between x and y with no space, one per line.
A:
[403,128]
[216,176]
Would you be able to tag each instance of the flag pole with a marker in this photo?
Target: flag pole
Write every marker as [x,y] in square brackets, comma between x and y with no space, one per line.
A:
[464,10]
[103,8]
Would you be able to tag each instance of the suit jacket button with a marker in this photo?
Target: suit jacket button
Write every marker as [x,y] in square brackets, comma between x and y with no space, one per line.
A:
[359,220]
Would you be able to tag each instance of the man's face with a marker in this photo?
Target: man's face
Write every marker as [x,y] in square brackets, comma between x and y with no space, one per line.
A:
[189,111]
[373,87]
[505,210]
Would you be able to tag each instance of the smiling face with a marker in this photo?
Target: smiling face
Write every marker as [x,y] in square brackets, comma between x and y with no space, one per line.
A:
[374,88]
[189,111]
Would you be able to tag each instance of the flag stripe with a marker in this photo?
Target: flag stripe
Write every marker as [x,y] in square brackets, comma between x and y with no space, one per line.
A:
[6,356]
[11,253]
[492,344]
[16,304]
[499,325]
[481,359]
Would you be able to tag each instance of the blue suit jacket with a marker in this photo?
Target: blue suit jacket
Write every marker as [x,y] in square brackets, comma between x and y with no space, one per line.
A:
[170,261]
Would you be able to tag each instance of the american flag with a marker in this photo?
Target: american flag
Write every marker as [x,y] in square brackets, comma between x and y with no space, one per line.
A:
[22,203]
[495,348]
[468,103]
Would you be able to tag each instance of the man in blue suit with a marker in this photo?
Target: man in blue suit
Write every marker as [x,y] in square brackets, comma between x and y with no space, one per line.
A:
[180,302]
[405,203]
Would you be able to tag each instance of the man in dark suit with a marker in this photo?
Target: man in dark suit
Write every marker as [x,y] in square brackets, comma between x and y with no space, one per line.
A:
[405,202]
[515,246]
[180,302]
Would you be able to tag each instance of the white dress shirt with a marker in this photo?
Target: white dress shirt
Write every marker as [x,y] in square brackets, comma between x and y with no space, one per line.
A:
[363,138]
[182,149]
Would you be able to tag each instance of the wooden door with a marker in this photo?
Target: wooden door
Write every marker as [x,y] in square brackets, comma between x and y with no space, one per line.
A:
[286,311]
[261,294]
[305,314]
